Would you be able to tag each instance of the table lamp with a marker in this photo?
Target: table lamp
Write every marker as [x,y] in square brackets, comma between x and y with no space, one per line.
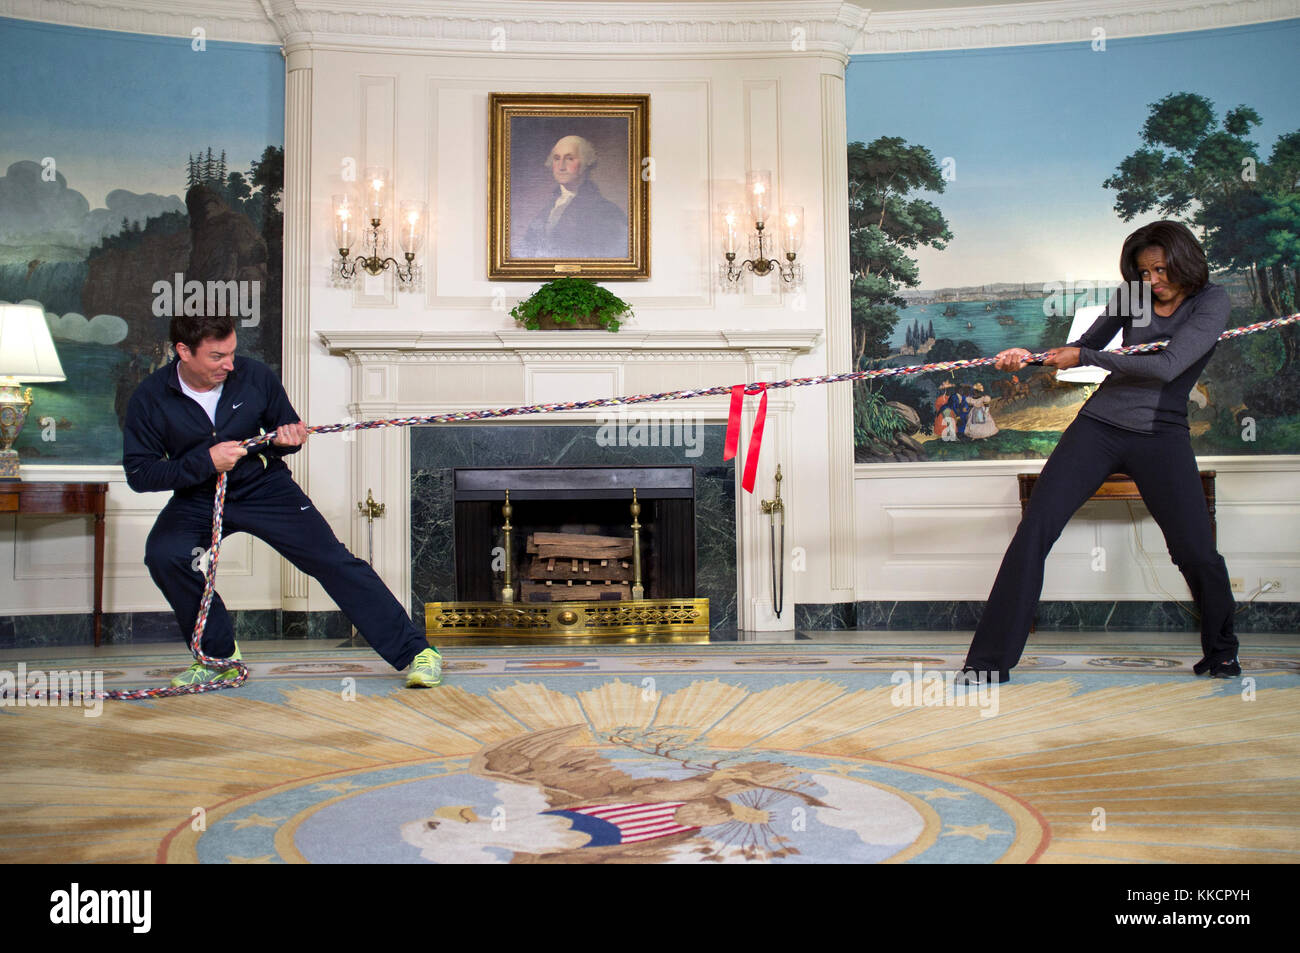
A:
[27,355]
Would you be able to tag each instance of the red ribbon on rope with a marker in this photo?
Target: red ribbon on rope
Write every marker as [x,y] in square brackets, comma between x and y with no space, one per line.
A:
[755,437]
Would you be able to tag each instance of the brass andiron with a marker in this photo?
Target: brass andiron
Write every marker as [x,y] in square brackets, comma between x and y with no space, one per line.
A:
[508,590]
[371,511]
[775,508]
[638,590]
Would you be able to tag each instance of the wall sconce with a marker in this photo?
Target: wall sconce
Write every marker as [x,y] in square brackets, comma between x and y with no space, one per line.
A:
[349,226]
[758,186]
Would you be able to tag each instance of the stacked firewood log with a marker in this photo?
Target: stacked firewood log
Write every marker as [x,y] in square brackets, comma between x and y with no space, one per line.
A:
[561,567]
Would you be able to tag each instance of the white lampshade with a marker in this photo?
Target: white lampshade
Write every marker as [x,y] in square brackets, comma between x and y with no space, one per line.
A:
[26,349]
[1086,374]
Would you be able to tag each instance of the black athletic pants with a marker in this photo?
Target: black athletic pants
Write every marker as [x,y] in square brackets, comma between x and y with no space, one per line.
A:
[1164,468]
[278,512]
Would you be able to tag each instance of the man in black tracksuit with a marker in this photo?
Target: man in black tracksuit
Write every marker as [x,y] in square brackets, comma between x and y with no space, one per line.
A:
[182,428]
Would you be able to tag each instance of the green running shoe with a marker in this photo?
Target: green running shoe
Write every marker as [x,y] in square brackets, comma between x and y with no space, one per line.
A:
[198,673]
[426,670]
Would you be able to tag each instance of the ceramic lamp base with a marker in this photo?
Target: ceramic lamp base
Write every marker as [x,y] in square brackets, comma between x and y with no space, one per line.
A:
[14,405]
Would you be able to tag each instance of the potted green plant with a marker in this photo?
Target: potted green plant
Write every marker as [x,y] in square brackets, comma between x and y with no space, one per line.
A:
[571,303]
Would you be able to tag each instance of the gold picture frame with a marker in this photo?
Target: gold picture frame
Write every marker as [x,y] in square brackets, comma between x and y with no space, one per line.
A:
[569,186]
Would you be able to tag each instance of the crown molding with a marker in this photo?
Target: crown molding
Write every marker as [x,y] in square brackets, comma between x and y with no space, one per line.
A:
[763,28]
[473,27]
[586,30]
[231,21]
[1057,21]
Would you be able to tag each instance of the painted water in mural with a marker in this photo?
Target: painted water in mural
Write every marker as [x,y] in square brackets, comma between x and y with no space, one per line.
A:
[989,218]
[115,186]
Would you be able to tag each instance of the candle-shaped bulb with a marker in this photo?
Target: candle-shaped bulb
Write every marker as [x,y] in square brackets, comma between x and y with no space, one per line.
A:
[345,225]
[791,229]
[759,187]
[730,216]
[376,180]
[412,226]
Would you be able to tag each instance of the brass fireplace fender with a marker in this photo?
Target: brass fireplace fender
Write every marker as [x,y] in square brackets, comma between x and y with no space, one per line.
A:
[575,623]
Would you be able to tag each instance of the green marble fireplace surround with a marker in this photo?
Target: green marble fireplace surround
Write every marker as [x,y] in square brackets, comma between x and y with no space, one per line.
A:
[436,451]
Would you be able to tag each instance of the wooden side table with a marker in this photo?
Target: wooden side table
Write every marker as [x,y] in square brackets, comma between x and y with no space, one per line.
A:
[54,499]
[1120,486]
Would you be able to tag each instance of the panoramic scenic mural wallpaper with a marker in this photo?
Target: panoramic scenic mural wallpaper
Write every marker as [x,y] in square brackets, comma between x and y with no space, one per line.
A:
[988,206]
[142,179]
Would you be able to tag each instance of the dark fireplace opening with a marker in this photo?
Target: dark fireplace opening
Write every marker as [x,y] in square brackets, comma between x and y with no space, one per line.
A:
[595,501]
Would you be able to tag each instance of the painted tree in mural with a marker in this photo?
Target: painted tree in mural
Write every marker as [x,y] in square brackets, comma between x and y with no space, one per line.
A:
[206,170]
[254,198]
[885,221]
[122,268]
[266,176]
[252,193]
[1209,173]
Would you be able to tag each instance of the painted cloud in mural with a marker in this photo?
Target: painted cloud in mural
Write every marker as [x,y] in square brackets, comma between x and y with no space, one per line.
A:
[131,206]
[40,209]
[101,329]
[33,211]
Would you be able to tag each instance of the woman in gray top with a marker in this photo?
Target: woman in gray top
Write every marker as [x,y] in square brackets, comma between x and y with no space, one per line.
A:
[1135,423]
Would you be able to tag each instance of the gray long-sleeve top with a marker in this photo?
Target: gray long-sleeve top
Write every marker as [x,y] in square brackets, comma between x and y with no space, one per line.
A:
[1146,392]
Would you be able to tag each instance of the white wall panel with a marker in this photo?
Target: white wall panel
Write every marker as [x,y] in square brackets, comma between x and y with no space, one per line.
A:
[709,119]
[938,532]
[47,562]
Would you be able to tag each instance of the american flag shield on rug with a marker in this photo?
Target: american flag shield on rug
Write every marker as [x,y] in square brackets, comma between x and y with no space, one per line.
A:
[608,824]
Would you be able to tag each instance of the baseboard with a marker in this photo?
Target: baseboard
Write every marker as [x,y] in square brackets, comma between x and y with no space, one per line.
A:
[1268,617]
[121,628]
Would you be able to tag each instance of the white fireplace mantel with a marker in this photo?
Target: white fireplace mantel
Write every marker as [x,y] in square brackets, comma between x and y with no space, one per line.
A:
[421,373]
[565,345]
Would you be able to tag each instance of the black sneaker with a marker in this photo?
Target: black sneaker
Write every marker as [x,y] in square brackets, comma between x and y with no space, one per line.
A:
[1228,668]
[969,676]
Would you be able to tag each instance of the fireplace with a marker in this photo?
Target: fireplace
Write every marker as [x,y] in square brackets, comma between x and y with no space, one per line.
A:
[404,372]
[459,475]
[590,500]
